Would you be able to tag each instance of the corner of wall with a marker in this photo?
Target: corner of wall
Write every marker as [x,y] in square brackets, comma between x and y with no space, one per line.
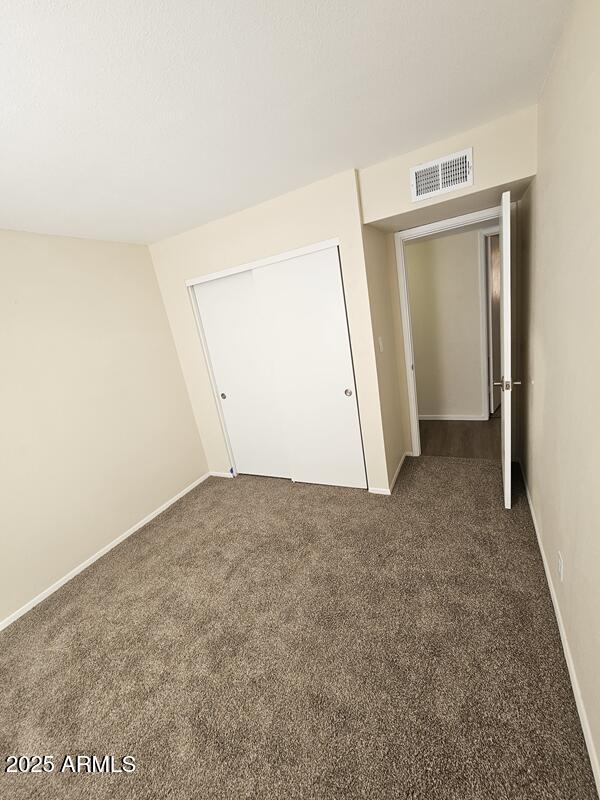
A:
[179,360]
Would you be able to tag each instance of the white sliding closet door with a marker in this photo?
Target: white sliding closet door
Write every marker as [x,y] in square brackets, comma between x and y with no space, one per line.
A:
[280,352]
[238,333]
[320,409]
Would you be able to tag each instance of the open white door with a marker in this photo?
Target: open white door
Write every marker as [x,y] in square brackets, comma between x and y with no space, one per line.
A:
[506,347]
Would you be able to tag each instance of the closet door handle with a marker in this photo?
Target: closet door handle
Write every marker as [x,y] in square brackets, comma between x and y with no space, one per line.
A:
[223,396]
[348,392]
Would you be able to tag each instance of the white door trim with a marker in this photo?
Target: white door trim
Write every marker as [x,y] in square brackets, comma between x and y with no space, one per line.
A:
[488,214]
[409,359]
[265,262]
[449,224]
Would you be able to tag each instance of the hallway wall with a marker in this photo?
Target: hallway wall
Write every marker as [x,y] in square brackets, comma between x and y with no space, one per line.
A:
[560,242]
[504,151]
[443,276]
[384,299]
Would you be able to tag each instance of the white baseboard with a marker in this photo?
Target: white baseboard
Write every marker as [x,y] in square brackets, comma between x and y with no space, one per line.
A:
[474,417]
[375,490]
[585,725]
[398,468]
[51,589]
[220,474]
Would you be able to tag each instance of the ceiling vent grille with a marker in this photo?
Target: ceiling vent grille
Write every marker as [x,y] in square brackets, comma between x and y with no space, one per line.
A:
[442,175]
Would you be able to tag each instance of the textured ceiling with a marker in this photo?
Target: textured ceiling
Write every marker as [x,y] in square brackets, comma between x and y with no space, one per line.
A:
[137,119]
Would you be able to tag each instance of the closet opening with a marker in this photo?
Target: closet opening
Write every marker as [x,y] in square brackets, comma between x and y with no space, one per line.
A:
[276,341]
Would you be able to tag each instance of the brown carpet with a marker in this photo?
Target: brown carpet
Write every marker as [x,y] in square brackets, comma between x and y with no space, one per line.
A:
[263,639]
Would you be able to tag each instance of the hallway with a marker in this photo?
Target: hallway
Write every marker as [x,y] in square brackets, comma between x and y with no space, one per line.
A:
[461,438]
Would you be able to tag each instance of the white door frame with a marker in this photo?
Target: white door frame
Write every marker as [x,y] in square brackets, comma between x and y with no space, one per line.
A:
[264,262]
[212,276]
[487,215]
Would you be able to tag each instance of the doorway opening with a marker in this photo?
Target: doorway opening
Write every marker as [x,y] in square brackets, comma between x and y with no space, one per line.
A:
[455,294]
[453,290]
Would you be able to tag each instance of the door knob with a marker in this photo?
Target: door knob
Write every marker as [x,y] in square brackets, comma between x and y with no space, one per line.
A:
[348,392]
[223,396]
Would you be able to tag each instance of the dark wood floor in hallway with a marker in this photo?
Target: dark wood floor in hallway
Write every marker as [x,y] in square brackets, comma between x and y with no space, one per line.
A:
[461,438]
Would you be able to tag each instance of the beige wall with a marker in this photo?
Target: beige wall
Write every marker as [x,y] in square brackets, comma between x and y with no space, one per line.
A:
[504,151]
[325,210]
[387,334]
[399,335]
[443,275]
[97,427]
[560,239]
